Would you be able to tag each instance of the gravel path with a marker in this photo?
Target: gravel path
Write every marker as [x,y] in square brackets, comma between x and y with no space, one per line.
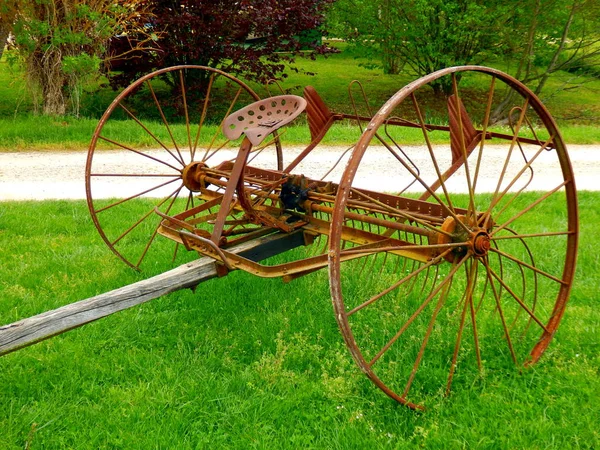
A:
[60,175]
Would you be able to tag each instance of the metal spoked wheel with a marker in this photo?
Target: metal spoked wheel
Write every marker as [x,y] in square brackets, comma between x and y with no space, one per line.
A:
[495,207]
[173,117]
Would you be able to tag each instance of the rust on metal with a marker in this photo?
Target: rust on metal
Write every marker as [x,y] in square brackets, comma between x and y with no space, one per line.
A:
[412,274]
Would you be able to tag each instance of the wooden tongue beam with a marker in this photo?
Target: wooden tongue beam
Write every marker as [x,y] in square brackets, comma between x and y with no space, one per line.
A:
[34,329]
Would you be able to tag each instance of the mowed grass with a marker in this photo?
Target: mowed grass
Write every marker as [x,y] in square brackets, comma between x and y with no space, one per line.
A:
[245,362]
[577,110]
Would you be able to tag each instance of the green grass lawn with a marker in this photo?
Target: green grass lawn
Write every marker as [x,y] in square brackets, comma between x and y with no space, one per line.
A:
[577,111]
[244,362]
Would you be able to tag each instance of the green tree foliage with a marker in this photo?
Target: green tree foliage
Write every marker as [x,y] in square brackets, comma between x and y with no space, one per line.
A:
[425,35]
[61,43]
[531,38]
[253,38]
[550,35]
[547,36]
[8,12]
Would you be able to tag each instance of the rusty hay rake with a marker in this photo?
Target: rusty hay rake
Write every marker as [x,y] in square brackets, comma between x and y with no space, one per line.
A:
[434,252]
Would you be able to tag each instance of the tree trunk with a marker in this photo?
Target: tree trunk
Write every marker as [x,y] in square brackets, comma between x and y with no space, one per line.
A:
[4,31]
[499,114]
[391,64]
[47,68]
[391,61]
[442,87]
[553,63]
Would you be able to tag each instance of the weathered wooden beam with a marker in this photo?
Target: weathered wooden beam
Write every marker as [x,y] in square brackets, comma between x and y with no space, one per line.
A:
[34,329]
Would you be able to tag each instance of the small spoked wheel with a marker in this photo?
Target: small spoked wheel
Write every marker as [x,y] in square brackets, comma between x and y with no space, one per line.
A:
[483,251]
[148,148]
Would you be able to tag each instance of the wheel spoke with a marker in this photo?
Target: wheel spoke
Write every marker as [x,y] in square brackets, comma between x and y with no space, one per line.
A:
[500,311]
[447,279]
[486,122]
[216,150]
[507,159]
[137,152]
[398,157]
[436,311]
[165,122]
[258,150]
[186,112]
[431,153]
[463,145]
[459,334]
[469,299]
[527,166]
[532,235]
[529,208]
[203,115]
[152,135]
[218,130]
[135,175]
[413,173]
[529,266]
[516,297]
[145,216]
[413,274]
[112,205]
[151,240]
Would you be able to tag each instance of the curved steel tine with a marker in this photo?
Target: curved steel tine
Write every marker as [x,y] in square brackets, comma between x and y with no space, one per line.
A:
[271,81]
[532,129]
[528,163]
[353,103]
[257,151]
[344,153]
[535,281]
[417,171]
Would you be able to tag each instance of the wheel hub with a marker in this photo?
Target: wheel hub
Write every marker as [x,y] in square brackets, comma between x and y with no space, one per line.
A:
[475,238]
[193,176]
[481,243]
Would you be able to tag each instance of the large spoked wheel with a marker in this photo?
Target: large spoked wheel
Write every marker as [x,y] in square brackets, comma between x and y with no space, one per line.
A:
[167,126]
[494,229]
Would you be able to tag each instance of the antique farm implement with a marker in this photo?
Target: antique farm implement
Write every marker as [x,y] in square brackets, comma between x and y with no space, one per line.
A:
[446,240]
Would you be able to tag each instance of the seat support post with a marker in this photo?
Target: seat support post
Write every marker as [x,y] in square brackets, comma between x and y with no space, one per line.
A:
[232,185]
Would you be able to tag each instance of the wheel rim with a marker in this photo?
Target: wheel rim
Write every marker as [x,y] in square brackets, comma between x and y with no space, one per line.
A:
[503,287]
[184,128]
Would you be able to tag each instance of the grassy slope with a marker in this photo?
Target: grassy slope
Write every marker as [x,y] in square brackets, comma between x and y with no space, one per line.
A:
[253,363]
[577,110]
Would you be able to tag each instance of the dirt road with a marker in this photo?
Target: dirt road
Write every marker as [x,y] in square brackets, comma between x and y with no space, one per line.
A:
[60,175]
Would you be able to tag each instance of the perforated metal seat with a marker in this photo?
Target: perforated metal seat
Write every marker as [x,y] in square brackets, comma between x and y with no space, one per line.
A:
[261,118]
